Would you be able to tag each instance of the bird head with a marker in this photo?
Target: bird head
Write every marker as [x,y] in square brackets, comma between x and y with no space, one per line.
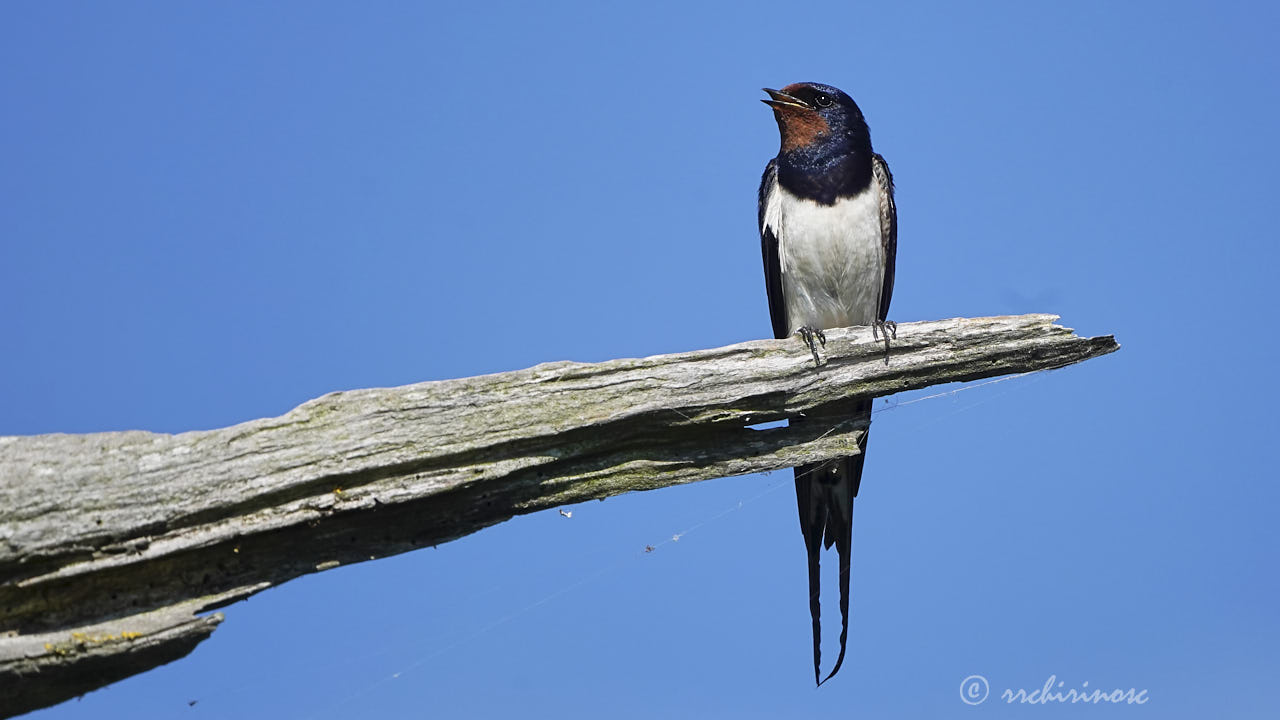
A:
[812,115]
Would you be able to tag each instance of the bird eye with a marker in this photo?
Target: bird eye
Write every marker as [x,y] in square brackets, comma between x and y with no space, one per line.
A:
[823,101]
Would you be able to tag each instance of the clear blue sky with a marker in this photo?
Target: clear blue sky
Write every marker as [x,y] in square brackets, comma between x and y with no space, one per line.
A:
[212,212]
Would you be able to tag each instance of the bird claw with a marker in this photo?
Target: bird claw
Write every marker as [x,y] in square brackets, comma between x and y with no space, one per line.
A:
[884,329]
[808,334]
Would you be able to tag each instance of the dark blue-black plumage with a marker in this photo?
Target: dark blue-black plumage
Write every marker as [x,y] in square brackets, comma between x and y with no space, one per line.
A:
[835,164]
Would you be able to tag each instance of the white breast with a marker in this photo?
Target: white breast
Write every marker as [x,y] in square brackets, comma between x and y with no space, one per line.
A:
[831,258]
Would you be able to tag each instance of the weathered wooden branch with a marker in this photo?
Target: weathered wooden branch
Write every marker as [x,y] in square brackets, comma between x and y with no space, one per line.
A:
[111,544]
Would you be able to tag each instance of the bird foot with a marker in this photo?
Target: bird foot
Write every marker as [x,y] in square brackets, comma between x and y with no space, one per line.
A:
[884,329]
[809,334]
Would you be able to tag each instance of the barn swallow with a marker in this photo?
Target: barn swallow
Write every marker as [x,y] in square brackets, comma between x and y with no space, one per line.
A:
[828,233]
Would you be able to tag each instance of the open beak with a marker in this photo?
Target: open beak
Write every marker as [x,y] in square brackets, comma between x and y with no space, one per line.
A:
[780,100]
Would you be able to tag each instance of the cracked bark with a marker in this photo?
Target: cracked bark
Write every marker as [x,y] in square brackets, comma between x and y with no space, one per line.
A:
[112,545]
